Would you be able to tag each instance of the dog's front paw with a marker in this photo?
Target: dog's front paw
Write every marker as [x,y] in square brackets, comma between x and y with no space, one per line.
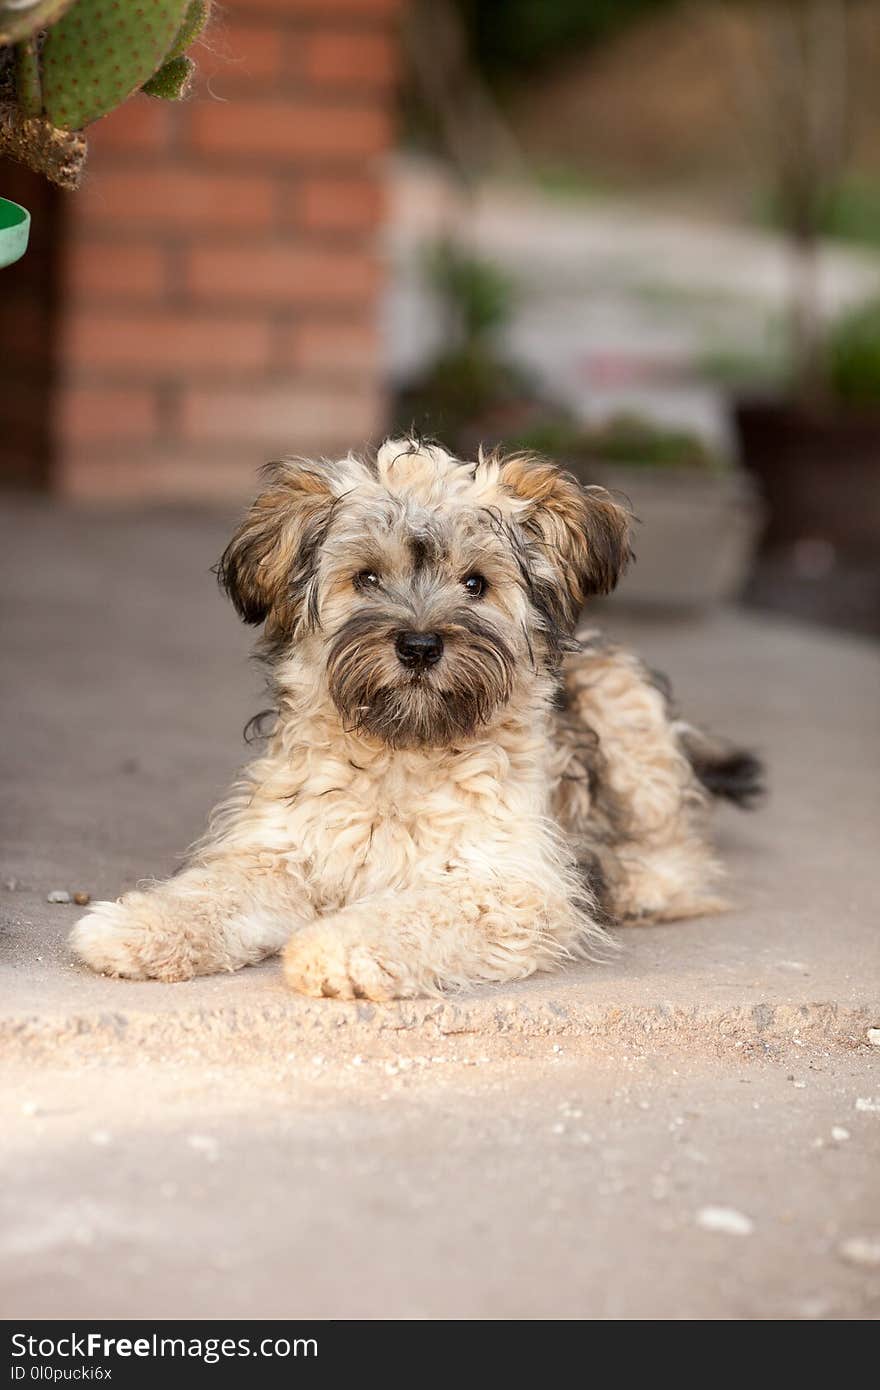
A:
[324,962]
[126,938]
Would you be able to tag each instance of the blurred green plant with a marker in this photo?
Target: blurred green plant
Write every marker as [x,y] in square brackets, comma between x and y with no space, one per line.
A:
[764,368]
[800,80]
[624,439]
[849,362]
[848,212]
[459,388]
[469,376]
[472,393]
[852,212]
[853,356]
[565,181]
[510,37]
[476,296]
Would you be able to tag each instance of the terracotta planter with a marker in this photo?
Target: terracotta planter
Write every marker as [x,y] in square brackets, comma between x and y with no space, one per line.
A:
[819,473]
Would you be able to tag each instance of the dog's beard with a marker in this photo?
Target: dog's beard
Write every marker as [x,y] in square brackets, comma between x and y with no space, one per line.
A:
[376,695]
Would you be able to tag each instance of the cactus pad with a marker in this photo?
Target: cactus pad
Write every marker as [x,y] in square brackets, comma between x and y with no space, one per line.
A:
[172,80]
[194,21]
[103,50]
[19,19]
[28,88]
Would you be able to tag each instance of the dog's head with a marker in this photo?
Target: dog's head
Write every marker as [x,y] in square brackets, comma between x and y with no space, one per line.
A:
[424,588]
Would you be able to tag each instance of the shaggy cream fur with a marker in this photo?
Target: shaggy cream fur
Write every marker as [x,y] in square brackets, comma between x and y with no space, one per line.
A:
[424,822]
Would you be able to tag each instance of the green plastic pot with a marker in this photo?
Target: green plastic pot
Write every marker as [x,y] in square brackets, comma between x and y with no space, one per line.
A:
[15,226]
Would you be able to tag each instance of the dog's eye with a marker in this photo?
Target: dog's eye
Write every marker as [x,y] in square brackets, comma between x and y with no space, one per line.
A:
[366,579]
[475,585]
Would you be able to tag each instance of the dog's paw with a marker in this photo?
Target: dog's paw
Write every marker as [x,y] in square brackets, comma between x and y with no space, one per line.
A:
[324,963]
[121,939]
[106,941]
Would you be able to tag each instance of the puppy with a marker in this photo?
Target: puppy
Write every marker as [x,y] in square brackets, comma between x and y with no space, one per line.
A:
[455,790]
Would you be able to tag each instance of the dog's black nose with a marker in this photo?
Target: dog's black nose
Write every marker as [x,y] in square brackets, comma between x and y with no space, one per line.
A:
[417,649]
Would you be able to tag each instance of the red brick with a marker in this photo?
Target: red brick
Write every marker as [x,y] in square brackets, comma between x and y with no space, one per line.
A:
[135,270]
[87,414]
[83,475]
[272,343]
[281,273]
[363,59]
[325,9]
[346,204]
[165,343]
[330,346]
[174,472]
[141,125]
[27,321]
[295,415]
[243,52]
[179,198]
[288,129]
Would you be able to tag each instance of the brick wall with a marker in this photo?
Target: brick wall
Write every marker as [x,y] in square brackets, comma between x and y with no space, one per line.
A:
[219,270]
[28,307]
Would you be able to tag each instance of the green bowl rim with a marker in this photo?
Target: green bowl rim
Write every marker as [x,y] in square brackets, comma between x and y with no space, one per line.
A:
[25,215]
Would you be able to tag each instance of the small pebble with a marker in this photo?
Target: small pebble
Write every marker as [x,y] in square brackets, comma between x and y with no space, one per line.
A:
[839,1134]
[58,895]
[727,1220]
[800,1085]
[81,898]
[867,1103]
[874,1037]
[861,1250]
[30,1107]
[101,1137]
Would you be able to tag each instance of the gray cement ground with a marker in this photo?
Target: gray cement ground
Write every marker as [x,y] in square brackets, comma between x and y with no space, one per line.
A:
[223,1148]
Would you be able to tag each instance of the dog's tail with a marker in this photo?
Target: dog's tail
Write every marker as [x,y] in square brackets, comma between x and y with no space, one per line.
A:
[732,774]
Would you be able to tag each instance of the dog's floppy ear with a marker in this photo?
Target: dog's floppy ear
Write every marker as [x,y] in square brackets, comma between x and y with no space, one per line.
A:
[267,566]
[582,531]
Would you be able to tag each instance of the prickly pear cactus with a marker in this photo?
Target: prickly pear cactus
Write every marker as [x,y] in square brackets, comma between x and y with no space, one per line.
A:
[100,52]
[194,21]
[65,63]
[21,18]
[173,78]
[172,81]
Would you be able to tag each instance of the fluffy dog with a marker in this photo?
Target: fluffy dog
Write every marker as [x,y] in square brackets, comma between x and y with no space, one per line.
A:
[455,791]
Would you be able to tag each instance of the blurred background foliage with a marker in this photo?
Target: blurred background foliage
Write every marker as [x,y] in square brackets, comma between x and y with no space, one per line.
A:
[511,39]
[722,158]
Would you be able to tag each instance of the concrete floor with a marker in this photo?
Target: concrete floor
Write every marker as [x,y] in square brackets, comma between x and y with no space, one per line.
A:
[223,1148]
